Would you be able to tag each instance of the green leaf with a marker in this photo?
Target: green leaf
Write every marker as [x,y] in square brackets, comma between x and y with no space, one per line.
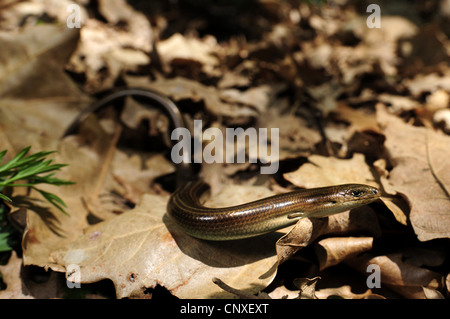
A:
[30,168]
[18,162]
[12,163]
[54,200]
[2,154]
[4,197]
[49,180]
[4,246]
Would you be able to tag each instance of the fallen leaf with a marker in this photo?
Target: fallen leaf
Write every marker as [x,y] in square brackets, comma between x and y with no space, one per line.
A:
[14,13]
[238,293]
[402,277]
[306,287]
[260,98]
[47,228]
[104,51]
[447,284]
[143,248]
[422,83]
[231,79]
[432,293]
[296,137]
[442,119]
[345,292]
[331,251]
[34,60]
[399,104]
[306,231]
[181,88]
[423,152]
[282,292]
[326,171]
[181,48]
[358,119]
[11,277]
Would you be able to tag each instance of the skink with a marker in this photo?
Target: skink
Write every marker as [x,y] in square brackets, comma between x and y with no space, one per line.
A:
[247,220]
[264,215]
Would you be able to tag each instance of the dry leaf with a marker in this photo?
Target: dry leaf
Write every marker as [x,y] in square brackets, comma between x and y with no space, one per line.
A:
[142,248]
[422,83]
[398,275]
[296,137]
[307,287]
[362,220]
[421,173]
[346,293]
[105,49]
[11,277]
[327,171]
[442,119]
[33,64]
[331,251]
[260,98]
[447,284]
[399,104]
[397,209]
[432,293]
[47,228]
[262,74]
[181,88]
[238,293]
[359,119]
[181,49]
[231,79]
[18,13]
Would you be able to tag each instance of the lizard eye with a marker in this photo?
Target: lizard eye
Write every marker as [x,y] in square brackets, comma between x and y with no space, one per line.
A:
[356,193]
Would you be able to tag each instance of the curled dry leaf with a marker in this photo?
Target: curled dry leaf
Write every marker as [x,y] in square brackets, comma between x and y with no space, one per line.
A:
[421,173]
[432,293]
[306,287]
[326,171]
[404,278]
[396,205]
[332,251]
[238,293]
[361,220]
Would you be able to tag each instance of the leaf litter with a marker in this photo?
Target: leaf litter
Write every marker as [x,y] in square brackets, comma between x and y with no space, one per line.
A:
[352,104]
